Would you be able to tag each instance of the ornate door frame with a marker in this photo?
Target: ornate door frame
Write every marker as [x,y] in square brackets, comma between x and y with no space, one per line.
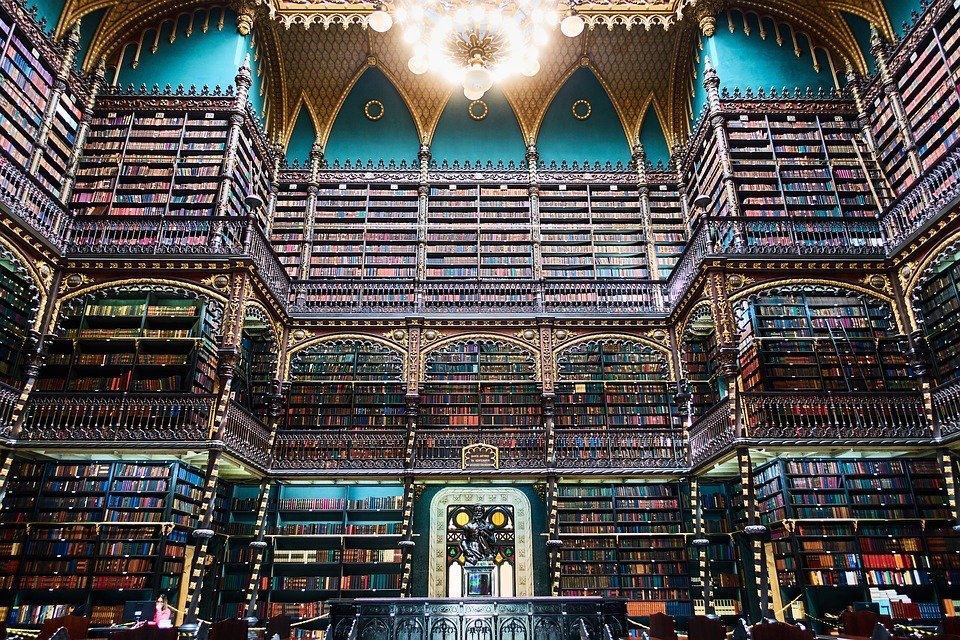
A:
[523,567]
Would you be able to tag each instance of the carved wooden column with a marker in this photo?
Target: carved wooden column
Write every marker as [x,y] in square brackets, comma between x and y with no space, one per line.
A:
[414,330]
[202,535]
[711,83]
[536,233]
[728,347]
[919,356]
[554,543]
[879,50]
[244,81]
[309,218]
[646,214]
[423,202]
[258,547]
[755,531]
[548,388]
[407,544]
[701,544]
[277,153]
[228,357]
[72,46]
[83,130]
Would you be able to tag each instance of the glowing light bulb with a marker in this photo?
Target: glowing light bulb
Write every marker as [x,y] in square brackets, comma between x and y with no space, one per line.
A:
[540,36]
[572,26]
[531,67]
[472,94]
[418,65]
[380,21]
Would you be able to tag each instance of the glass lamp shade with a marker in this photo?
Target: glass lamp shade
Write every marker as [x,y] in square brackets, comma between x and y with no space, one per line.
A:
[380,21]
[572,26]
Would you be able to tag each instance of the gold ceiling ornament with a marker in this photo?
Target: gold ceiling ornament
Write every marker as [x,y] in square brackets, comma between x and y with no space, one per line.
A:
[581,109]
[478,110]
[374,110]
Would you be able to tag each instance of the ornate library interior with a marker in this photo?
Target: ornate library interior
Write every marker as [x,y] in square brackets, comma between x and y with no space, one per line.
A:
[479,319]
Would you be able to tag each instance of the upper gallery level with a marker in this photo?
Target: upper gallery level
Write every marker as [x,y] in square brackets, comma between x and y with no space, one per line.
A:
[576,204]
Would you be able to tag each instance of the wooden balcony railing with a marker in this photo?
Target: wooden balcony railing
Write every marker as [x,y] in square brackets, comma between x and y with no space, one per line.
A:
[590,449]
[847,417]
[408,296]
[202,235]
[25,200]
[773,237]
[142,418]
[8,399]
[175,236]
[932,195]
[246,435]
[520,449]
[711,433]
[369,449]
[946,408]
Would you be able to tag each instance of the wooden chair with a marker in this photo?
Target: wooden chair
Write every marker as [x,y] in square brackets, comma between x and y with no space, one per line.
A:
[75,626]
[780,631]
[704,628]
[860,624]
[279,626]
[662,627]
[951,626]
[230,629]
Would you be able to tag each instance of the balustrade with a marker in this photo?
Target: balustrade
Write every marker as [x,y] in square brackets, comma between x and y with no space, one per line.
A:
[246,435]
[711,433]
[24,199]
[851,417]
[439,449]
[154,417]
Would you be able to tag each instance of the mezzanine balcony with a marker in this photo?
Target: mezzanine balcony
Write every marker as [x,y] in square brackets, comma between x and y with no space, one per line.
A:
[148,420]
[28,203]
[812,418]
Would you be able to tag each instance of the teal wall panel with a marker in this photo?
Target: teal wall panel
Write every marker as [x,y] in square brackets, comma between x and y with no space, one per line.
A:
[211,58]
[653,139]
[302,139]
[900,12]
[88,28]
[355,137]
[752,62]
[421,526]
[496,138]
[49,10]
[599,138]
[861,30]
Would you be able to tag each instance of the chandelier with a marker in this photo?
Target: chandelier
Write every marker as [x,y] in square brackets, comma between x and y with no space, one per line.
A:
[475,43]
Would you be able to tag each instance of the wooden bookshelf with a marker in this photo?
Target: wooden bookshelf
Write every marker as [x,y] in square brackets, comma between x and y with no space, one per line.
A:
[26,87]
[100,533]
[820,340]
[18,303]
[332,541]
[258,360]
[593,230]
[133,342]
[939,300]
[342,388]
[622,541]
[613,405]
[481,386]
[668,228]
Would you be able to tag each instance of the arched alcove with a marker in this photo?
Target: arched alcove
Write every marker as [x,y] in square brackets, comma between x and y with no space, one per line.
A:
[373,123]
[582,124]
[485,131]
